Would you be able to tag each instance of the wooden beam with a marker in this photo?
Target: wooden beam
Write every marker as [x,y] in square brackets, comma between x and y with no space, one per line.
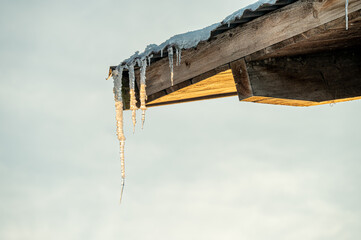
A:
[327,37]
[258,34]
[241,79]
[304,80]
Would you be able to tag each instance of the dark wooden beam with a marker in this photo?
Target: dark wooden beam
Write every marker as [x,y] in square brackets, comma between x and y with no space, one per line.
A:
[241,79]
[311,78]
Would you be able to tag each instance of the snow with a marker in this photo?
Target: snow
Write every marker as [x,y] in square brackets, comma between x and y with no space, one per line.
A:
[238,14]
[193,38]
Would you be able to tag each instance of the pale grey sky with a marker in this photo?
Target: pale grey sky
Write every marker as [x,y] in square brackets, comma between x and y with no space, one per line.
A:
[216,169]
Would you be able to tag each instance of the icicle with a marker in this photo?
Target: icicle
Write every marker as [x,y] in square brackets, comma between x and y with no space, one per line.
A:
[177,56]
[117,76]
[138,61]
[149,58]
[133,101]
[346,12]
[178,53]
[180,56]
[170,57]
[143,94]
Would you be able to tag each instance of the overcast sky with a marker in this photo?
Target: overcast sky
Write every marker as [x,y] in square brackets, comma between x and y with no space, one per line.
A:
[217,169]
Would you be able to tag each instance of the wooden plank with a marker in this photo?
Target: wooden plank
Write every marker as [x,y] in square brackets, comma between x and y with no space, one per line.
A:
[330,36]
[317,78]
[193,99]
[295,103]
[219,84]
[281,101]
[258,34]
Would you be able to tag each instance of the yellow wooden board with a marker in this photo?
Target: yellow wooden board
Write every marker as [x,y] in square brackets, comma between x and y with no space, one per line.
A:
[220,83]
[295,103]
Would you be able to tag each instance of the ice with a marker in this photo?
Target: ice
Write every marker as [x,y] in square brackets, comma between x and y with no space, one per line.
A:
[143,94]
[170,57]
[117,80]
[117,76]
[131,75]
[178,52]
[149,59]
[133,101]
[346,13]
[179,56]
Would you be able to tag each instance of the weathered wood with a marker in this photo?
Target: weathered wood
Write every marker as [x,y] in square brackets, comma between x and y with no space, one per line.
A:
[258,34]
[317,78]
[327,37]
[241,79]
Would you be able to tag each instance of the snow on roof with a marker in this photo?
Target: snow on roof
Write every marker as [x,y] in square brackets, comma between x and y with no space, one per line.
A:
[193,38]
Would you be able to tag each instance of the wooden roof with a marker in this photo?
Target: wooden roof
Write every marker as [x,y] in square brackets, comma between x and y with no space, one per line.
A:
[299,55]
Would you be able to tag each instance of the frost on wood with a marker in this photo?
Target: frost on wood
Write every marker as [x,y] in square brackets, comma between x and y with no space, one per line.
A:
[133,101]
[170,57]
[117,76]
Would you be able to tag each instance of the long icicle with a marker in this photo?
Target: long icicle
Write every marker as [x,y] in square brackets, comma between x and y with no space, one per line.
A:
[133,101]
[170,57]
[179,56]
[149,59]
[117,76]
[346,13]
[143,94]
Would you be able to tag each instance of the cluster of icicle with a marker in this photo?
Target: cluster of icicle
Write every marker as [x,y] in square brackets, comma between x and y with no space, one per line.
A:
[118,97]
